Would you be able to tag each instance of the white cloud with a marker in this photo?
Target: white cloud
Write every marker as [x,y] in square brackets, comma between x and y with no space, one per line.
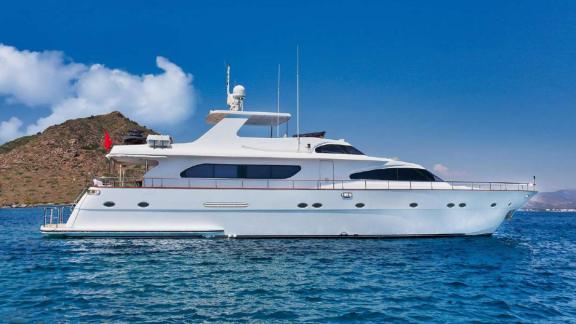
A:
[10,129]
[36,78]
[440,168]
[444,171]
[75,90]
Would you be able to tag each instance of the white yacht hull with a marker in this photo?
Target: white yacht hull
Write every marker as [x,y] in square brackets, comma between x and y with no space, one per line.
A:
[274,213]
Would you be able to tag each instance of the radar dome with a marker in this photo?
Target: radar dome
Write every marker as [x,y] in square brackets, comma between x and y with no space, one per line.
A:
[239,90]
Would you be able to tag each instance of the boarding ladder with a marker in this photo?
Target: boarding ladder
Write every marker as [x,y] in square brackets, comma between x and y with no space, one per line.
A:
[57,216]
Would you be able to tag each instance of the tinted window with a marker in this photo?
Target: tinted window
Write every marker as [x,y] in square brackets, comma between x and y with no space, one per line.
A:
[258,171]
[414,175]
[338,149]
[380,174]
[335,149]
[199,171]
[244,171]
[226,171]
[284,171]
[396,174]
[436,178]
[352,150]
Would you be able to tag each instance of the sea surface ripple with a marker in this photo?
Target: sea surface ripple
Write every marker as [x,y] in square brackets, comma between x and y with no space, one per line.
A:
[525,272]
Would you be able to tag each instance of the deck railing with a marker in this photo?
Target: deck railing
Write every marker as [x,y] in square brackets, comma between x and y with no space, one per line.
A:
[310,184]
[56,215]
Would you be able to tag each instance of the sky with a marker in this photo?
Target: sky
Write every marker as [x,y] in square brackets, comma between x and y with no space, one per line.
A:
[482,91]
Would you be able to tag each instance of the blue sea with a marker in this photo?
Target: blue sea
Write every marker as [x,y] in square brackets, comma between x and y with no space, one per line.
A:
[525,272]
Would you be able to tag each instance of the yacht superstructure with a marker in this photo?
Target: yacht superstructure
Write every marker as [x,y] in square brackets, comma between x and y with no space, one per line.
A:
[225,185]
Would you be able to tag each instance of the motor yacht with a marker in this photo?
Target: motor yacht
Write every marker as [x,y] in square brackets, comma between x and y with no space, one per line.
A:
[306,186]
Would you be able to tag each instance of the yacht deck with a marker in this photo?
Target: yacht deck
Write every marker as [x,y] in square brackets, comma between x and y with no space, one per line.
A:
[182,183]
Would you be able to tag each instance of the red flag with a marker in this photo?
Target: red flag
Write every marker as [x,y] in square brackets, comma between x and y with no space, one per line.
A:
[107,141]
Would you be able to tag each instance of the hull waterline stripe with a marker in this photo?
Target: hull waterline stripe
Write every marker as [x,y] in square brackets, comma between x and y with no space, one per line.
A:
[352,236]
[112,231]
[220,234]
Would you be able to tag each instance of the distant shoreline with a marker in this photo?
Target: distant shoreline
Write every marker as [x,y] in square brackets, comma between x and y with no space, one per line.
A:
[14,206]
[561,210]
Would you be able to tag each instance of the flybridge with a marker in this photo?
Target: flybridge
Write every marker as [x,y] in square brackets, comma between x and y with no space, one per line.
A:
[235,101]
[255,118]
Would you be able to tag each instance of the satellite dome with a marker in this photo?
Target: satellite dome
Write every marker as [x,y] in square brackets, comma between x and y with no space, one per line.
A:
[239,90]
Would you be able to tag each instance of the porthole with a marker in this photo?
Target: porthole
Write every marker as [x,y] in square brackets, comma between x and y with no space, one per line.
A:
[462,205]
[143,204]
[493,205]
[109,204]
[302,205]
[360,205]
[413,205]
[316,205]
[450,205]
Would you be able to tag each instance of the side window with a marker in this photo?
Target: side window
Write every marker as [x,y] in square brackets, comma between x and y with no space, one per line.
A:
[258,171]
[284,171]
[338,149]
[411,175]
[379,174]
[243,171]
[396,174]
[333,149]
[226,171]
[199,171]
[352,150]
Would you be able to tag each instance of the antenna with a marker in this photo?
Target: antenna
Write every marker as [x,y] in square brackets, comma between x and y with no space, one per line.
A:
[278,105]
[298,94]
[227,79]
[234,99]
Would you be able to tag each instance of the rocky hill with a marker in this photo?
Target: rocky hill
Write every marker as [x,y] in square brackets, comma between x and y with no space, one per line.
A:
[557,200]
[54,166]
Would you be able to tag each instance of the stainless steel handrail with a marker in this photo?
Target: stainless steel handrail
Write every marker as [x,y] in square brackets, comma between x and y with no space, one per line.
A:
[211,183]
[55,215]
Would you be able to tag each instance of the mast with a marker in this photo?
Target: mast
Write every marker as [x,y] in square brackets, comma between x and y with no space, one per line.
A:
[278,105]
[227,79]
[298,95]
[234,99]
